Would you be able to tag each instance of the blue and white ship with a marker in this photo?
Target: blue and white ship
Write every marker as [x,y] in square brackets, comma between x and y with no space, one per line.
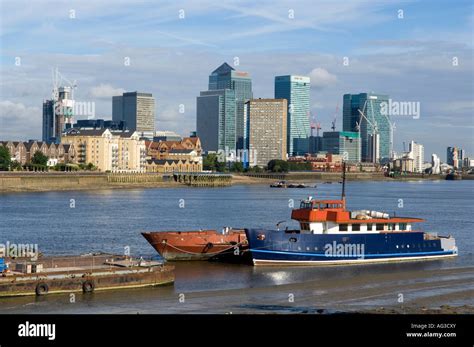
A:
[328,234]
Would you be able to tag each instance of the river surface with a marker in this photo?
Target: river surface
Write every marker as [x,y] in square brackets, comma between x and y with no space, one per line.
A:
[77,222]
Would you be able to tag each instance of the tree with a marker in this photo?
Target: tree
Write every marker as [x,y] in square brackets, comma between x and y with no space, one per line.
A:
[39,159]
[212,162]
[237,167]
[15,166]
[277,165]
[5,158]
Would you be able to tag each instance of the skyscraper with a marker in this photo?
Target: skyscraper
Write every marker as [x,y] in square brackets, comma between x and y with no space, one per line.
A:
[226,77]
[138,112]
[374,129]
[296,90]
[215,120]
[417,152]
[454,157]
[57,112]
[48,120]
[266,142]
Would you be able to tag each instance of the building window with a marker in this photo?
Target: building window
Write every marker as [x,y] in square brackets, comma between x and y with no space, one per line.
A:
[355,227]
[343,227]
[369,227]
[403,226]
[379,227]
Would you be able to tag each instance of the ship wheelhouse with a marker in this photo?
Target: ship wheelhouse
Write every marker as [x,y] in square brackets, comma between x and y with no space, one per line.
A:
[331,217]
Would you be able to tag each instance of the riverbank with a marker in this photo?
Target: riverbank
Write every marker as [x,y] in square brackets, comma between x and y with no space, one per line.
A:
[368,290]
[66,181]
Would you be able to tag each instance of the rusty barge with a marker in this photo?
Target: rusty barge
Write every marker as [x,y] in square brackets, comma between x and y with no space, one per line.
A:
[227,245]
[89,273]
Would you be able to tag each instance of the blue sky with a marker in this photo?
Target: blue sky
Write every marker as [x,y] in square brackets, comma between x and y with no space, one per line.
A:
[409,59]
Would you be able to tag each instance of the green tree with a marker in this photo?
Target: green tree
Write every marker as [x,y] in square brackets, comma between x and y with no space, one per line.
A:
[237,167]
[277,165]
[15,166]
[39,159]
[212,162]
[5,158]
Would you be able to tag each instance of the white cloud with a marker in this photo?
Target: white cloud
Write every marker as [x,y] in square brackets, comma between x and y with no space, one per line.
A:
[18,121]
[321,78]
[103,91]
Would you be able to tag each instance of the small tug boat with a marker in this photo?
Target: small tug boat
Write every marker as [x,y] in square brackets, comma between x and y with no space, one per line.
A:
[331,235]
[199,245]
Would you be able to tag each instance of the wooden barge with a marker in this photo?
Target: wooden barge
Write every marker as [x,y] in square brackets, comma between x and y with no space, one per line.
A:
[85,274]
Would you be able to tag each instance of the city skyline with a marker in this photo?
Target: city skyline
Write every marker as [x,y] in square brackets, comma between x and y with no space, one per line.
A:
[386,54]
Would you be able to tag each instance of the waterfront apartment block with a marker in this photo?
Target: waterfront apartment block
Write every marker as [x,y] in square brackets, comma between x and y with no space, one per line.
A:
[343,143]
[23,152]
[267,130]
[216,120]
[137,110]
[226,77]
[167,156]
[417,152]
[374,129]
[113,151]
[296,90]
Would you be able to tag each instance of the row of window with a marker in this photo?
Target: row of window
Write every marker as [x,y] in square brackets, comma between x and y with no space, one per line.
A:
[370,226]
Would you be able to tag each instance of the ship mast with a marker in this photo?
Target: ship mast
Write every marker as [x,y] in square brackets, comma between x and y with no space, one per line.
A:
[343,195]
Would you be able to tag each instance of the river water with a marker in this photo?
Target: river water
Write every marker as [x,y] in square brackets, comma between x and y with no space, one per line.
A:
[77,222]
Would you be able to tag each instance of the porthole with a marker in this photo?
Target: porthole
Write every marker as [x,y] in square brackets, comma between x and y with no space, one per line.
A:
[396,246]
[408,246]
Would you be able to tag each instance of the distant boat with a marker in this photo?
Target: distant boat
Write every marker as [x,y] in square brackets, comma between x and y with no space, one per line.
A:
[279,184]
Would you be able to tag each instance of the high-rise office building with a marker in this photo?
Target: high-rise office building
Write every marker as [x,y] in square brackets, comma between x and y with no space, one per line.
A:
[226,77]
[417,153]
[57,113]
[263,141]
[454,157]
[374,129]
[48,120]
[344,143]
[215,120]
[296,90]
[138,112]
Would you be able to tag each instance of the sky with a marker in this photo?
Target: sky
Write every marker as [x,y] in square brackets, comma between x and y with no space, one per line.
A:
[413,51]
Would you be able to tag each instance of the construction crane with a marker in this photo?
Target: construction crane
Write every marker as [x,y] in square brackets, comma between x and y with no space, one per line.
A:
[58,81]
[333,123]
[375,131]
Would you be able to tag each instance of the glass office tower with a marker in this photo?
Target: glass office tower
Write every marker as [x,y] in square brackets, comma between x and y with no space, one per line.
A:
[295,89]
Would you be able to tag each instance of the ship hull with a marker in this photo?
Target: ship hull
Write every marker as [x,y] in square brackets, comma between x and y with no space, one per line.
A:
[270,247]
[198,245]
